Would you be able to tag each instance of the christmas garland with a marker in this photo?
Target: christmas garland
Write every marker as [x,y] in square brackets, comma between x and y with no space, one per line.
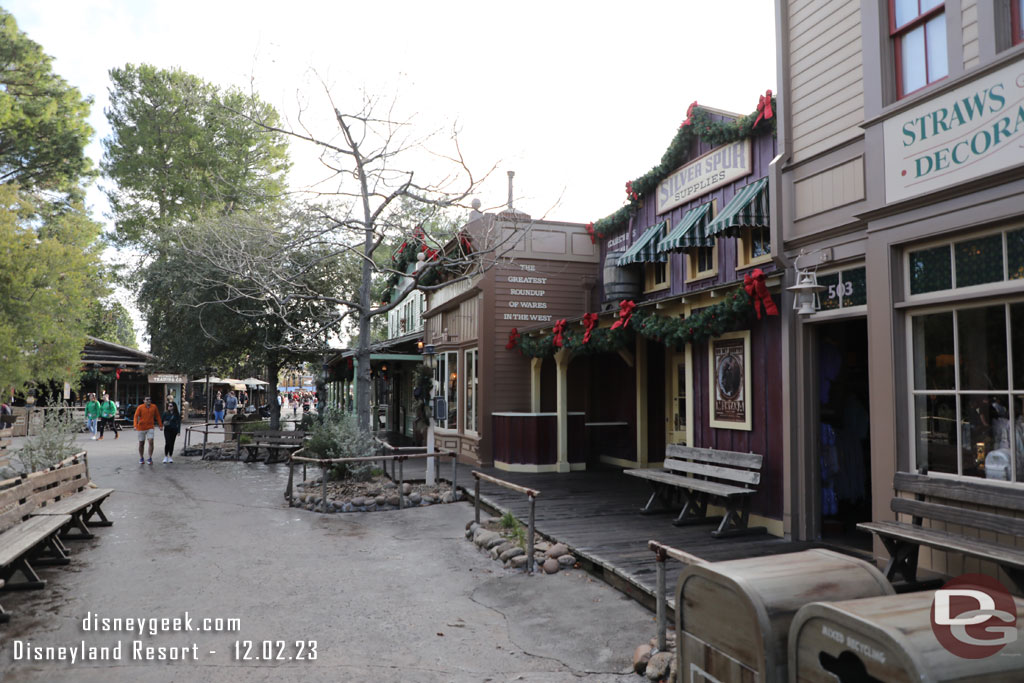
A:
[731,314]
[405,255]
[698,124]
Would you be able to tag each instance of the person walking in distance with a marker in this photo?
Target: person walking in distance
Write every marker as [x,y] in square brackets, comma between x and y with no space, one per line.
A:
[146,416]
[172,425]
[108,415]
[92,414]
[218,410]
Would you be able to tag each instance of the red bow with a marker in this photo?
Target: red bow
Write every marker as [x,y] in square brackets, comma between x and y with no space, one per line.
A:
[467,246]
[428,253]
[589,323]
[758,291]
[559,329]
[117,374]
[689,114]
[590,231]
[630,192]
[513,339]
[625,312]
[764,107]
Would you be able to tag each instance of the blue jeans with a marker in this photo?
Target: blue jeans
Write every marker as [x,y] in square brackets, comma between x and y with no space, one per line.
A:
[218,416]
[91,424]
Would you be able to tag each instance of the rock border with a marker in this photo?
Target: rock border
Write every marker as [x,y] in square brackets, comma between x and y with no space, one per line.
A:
[386,497]
[497,541]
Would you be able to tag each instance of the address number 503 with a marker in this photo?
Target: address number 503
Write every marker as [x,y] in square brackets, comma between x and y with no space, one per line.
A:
[842,289]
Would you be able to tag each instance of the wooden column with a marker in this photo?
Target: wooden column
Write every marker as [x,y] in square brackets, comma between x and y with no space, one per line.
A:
[640,368]
[535,366]
[562,406]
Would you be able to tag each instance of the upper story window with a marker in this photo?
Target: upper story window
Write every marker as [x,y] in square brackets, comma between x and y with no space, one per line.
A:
[1017,15]
[918,30]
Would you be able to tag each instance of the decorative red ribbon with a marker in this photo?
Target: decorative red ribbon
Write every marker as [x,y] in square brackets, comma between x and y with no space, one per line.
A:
[630,192]
[764,107]
[559,330]
[758,291]
[467,246]
[590,231]
[589,323]
[428,253]
[689,115]
[625,313]
[513,339]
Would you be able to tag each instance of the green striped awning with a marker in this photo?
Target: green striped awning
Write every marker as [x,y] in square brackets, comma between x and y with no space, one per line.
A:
[691,231]
[645,249]
[747,209]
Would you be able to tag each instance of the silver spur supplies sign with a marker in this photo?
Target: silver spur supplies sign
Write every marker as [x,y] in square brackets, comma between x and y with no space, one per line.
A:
[965,133]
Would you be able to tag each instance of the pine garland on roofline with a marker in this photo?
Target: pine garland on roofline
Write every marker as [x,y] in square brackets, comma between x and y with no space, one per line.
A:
[698,124]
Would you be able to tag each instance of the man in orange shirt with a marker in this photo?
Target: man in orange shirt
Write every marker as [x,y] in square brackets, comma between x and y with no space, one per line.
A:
[146,416]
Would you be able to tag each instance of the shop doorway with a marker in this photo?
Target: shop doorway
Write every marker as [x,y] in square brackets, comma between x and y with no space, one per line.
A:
[843,437]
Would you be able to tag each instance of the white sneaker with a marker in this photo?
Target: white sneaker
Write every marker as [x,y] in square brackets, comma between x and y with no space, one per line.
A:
[170,459]
[165,459]
[93,437]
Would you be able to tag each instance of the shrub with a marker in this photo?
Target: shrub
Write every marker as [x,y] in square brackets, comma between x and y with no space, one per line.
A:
[54,442]
[338,436]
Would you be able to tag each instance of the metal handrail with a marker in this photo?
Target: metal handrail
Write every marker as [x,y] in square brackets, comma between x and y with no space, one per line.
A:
[400,459]
[531,495]
[661,553]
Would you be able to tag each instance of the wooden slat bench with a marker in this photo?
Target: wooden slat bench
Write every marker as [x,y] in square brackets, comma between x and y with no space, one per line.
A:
[274,441]
[25,540]
[701,475]
[65,491]
[903,540]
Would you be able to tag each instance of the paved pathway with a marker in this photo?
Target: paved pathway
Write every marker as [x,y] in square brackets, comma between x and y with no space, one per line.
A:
[390,596]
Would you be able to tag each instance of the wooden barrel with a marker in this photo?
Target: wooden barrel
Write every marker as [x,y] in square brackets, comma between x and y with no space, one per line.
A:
[889,639]
[733,618]
[620,284]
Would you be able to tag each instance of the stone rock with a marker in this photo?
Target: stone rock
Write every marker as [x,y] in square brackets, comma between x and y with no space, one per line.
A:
[541,546]
[497,550]
[471,524]
[380,501]
[514,551]
[567,560]
[557,550]
[428,499]
[550,566]
[447,498]
[494,542]
[372,507]
[406,489]
[393,500]
[672,668]
[483,537]
[657,668]
[641,655]
[518,562]
[358,501]
[469,534]
[415,498]
[390,485]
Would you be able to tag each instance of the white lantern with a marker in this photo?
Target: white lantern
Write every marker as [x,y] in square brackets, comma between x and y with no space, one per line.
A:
[805,299]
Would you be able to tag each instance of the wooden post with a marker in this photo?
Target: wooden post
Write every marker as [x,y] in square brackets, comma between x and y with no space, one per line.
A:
[323,504]
[455,472]
[303,472]
[476,500]
[529,537]
[291,477]
[401,484]
[660,557]
[206,435]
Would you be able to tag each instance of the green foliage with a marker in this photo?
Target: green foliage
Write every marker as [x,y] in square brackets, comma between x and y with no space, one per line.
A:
[431,230]
[54,441]
[678,153]
[49,279]
[43,120]
[712,321]
[508,520]
[338,436]
[110,321]
[182,148]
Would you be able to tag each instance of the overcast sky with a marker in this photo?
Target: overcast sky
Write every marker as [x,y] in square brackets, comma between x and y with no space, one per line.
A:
[575,97]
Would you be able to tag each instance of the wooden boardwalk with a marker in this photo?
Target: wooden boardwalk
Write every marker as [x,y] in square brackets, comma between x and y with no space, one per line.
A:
[596,514]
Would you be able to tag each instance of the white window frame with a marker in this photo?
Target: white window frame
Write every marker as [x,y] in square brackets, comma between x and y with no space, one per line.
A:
[442,375]
[471,393]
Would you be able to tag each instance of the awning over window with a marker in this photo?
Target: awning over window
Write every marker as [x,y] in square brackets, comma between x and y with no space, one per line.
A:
[691,231]
[748,209]
[645,249]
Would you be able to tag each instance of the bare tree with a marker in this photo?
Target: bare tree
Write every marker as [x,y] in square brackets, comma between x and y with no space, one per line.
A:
[347,217]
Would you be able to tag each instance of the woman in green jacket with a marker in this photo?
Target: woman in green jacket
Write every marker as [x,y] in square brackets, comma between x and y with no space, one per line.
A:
[108,415]
[92,414]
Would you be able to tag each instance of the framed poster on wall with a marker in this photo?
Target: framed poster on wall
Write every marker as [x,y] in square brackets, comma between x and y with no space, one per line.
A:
[729,379]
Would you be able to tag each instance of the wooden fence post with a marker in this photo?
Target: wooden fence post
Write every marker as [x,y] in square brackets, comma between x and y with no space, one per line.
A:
[291,476]
[529,537]
[476,500]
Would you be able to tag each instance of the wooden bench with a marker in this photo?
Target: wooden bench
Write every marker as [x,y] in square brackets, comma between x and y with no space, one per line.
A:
[902,540]
[274,441]
[702,475]
[26,540]
[65,490]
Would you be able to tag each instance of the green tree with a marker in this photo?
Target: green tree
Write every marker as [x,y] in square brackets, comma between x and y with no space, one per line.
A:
[43,129]
[182,149]
[112,322]
[49,280]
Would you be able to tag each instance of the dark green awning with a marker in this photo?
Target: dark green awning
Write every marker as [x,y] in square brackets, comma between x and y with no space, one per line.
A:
[691,231]
[747,209]
[645,249]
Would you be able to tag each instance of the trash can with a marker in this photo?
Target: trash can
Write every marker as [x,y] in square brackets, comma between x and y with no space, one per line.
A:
[887,639]
[733,617]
